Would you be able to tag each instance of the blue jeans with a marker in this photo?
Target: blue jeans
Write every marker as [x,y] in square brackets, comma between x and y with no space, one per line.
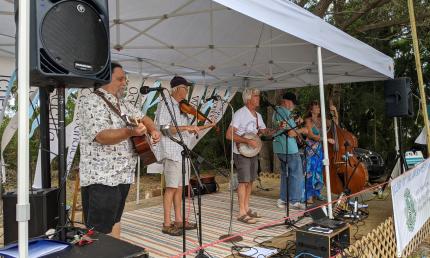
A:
[296,178]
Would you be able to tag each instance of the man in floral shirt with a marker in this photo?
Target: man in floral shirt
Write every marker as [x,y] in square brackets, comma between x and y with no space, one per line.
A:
[108,160]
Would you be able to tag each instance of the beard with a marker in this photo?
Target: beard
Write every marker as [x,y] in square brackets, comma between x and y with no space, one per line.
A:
[120,93]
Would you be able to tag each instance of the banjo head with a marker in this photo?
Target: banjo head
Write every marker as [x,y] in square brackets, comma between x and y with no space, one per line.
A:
[248,151]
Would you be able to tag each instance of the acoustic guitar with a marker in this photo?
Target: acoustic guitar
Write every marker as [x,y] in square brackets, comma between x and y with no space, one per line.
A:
[142,144]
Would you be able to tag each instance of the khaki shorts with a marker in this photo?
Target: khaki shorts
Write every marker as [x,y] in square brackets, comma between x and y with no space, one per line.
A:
[173,173]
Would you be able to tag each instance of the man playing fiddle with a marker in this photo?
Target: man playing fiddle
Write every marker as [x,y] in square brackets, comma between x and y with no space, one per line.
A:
[169,153]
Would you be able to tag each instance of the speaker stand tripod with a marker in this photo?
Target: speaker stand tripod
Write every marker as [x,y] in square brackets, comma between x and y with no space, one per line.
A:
[400,158]
[62,163]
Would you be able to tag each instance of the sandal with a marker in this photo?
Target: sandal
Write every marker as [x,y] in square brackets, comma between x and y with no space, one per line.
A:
[252,214]
[172,230]
[246,219]
[188,225]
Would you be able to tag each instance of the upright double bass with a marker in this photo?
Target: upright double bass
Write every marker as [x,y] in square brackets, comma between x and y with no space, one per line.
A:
[347,173]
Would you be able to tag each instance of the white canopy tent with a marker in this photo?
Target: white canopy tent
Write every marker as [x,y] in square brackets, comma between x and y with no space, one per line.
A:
[268,44]
[272,43]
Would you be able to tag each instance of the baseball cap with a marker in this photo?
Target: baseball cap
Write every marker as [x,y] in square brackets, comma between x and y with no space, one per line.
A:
[178,80]
[291,96]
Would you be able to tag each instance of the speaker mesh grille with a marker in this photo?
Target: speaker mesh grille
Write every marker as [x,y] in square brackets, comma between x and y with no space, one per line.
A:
[48,65]
[74,36]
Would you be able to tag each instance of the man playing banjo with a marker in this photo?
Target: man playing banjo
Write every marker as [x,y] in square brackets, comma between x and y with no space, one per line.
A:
[246,120]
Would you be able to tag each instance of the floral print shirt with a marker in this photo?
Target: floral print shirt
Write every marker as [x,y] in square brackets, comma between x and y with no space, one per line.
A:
[104,164]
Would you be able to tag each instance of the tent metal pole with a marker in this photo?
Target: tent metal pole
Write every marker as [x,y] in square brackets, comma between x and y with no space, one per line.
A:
[396,135]
[324,131]
[23,205]
[419,70]
[138,182]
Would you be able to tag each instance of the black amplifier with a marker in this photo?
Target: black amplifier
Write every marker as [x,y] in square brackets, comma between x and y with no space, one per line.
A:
[43,213]
[321,244]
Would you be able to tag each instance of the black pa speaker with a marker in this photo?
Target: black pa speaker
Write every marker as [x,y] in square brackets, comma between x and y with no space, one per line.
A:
[43,213]
[69,43]
[398,97]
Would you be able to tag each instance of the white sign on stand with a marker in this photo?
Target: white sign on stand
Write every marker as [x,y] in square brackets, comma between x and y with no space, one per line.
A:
[411,203]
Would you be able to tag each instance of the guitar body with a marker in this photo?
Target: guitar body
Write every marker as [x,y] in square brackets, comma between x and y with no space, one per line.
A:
[142,145]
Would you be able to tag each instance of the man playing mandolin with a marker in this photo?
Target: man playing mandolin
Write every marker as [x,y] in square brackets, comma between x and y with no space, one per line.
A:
[288,154]
[246,120]
[169,153]
[108,160]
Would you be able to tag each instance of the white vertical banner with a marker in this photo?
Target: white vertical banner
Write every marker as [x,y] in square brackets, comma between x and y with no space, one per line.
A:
[214,109]
[150,101]
[5,89]
[411,203]
[132,93]
[72,130]
[10,130]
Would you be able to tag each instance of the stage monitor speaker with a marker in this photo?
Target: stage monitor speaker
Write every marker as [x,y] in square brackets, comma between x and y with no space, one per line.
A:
[69,43]
[43,213]
[398,98]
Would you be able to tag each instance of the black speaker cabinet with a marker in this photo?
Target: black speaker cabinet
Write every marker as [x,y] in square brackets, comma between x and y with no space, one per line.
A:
[69,43]
[398,98]
[43,213]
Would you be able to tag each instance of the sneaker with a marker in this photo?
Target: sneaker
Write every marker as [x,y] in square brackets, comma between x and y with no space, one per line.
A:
[298,205]
[280,203]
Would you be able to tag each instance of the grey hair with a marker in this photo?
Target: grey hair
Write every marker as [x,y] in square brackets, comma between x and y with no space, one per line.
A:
[172,90]
[247,94]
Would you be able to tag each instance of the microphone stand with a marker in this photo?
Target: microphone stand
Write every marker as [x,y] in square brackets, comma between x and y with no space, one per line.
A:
[230,228]
[185,153]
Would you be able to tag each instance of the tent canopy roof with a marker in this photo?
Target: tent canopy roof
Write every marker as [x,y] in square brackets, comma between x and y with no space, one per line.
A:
[268,44]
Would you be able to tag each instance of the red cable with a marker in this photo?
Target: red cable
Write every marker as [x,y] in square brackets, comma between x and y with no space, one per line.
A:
[272,223]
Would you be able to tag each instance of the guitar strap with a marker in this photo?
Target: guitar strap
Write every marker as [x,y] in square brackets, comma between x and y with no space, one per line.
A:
[111,106]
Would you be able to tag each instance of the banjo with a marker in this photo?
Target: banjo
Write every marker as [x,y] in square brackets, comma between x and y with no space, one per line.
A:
[247,150]
[250,152]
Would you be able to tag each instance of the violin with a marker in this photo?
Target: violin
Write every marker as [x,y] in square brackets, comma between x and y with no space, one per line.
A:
[347,173]
[187,108]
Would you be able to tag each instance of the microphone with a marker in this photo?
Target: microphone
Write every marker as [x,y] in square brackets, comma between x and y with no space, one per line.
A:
[214,97]
[165,130]
[146,89]
[266,102]
[356,205]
